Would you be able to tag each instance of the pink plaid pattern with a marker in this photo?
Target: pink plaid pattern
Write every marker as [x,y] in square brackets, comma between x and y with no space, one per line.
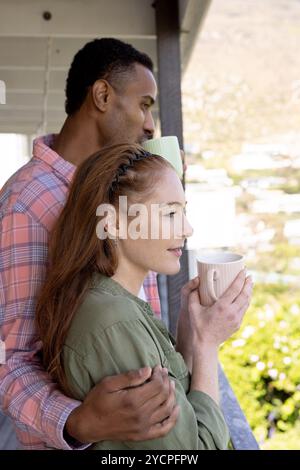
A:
[30,203]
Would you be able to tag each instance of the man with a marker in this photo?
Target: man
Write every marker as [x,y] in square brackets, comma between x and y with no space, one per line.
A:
[109,93]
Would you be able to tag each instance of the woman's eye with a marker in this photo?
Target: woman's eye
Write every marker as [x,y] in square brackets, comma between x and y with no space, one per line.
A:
[171,214]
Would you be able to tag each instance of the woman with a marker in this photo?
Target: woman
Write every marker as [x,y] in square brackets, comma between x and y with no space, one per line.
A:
[89,316]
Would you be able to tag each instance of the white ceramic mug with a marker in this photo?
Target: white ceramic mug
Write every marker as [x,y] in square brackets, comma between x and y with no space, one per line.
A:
[217,270]
[167,147]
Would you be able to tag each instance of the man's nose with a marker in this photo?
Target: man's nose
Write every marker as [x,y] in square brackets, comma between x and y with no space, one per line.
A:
[149,126]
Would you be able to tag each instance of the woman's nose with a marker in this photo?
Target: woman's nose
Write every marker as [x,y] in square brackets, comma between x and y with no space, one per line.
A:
[188,229]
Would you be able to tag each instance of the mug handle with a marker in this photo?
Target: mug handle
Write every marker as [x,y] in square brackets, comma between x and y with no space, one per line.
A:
[211,275]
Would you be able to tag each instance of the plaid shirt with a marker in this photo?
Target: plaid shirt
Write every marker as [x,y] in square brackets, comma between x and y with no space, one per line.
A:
[30,203]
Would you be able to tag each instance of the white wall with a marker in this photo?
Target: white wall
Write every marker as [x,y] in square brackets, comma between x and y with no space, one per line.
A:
[14,152]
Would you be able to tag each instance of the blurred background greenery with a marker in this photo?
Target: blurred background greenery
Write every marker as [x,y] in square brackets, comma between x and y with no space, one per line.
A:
[262,362]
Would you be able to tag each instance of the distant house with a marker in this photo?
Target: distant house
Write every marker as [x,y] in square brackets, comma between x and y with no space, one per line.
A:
[261,157]
[211,212]
[292,231]
[266,182]
[197,173]
[275,202]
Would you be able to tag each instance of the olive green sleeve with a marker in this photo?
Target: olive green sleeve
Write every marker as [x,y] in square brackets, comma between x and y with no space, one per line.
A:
[209,416]
[128,345]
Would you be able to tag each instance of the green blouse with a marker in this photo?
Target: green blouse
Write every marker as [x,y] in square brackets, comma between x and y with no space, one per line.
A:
[113,332]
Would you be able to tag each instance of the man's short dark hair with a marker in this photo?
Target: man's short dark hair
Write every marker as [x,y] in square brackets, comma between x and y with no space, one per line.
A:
[106,58]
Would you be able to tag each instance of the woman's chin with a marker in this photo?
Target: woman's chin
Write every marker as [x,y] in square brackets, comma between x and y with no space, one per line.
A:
[169,269]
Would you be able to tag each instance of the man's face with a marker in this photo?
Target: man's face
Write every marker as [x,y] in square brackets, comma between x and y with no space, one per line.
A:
[130,116]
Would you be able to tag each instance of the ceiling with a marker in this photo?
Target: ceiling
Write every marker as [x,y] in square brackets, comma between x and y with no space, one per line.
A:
[36,51]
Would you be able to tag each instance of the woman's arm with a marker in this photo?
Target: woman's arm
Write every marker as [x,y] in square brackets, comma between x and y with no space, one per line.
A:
[211,327]
[126,345]
[184,334]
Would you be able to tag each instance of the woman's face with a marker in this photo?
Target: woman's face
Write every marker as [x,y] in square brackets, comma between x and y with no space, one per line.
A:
[157,228]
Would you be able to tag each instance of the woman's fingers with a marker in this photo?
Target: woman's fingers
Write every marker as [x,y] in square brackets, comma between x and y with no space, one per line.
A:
[190,286]
[245,295]
[234,289]
[194,297]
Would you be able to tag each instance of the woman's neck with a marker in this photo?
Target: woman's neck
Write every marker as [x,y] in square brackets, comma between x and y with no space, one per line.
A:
[130,277]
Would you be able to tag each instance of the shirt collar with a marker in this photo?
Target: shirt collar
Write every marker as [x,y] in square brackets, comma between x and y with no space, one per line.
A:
[43,151]
[107,284]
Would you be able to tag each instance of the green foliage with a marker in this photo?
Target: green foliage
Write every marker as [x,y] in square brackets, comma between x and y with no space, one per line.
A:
[262,363]
[284,440]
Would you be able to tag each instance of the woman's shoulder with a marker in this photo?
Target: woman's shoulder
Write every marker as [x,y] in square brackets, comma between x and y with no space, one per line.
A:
[102,310]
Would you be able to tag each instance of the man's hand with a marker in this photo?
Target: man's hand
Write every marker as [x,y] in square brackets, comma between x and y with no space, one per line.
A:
[135,406]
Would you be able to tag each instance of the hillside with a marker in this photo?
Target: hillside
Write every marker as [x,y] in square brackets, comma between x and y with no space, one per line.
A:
[243,80]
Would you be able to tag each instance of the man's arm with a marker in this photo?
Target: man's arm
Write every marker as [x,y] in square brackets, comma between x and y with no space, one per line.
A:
[27,393]
[112,409]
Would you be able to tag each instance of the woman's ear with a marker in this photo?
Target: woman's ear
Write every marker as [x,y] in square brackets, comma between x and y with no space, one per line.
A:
[101,91]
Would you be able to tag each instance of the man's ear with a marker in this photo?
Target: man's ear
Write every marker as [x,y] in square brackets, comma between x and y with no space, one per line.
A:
[101,93]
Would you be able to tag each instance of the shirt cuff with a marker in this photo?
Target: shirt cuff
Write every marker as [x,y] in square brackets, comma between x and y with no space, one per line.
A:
[54,425]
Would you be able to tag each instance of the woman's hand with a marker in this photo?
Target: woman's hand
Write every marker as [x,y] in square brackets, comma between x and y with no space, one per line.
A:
[213,325]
